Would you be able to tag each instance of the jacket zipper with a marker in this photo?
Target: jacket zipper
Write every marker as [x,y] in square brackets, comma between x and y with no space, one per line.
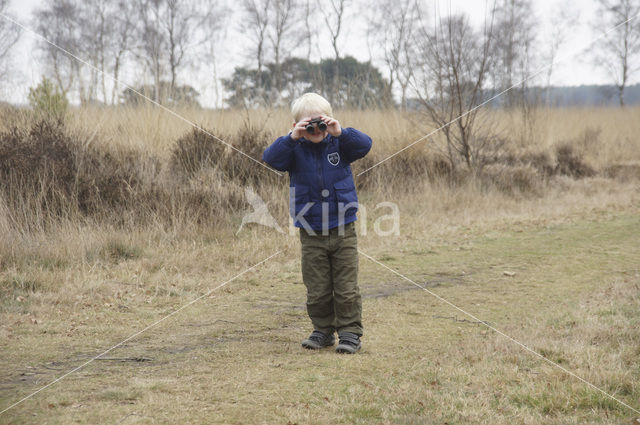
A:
[319,163]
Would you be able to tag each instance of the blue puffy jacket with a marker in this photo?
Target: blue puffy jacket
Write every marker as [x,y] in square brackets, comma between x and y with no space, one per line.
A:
[320,176]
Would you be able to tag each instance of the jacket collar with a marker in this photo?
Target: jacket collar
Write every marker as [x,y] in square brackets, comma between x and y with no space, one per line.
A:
[323,142]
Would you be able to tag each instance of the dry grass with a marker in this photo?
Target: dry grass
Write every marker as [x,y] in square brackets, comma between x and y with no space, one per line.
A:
[79,283]
[234,357]
[608,134]
[145,166]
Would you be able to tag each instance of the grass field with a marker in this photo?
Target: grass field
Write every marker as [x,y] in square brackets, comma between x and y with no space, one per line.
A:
[234,356]
[550,260]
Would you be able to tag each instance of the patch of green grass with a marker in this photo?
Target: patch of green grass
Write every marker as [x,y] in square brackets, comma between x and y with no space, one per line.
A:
[422,252]
[553,355]
[386,257]
[358,414]
[565,321]
[162,387]
[21,284]
[116,251]
[589,399]
[629,311]
[118,395]
[43,261]
[52,263]
[558,403]
[607,312]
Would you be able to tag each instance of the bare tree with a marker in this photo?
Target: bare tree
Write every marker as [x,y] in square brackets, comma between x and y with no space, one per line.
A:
[333,18]
[179,25]
[215,33]
[619,50]
[105,38]
[170,32]
[450,84]
[93,45]
[78,28]
[309,30]
[86,30]
[58,21]
[9,36]
[563,19]
[257,21]
[395,25]
[283,23]
[514,50]
[514,40]
[123,27]
[151,42]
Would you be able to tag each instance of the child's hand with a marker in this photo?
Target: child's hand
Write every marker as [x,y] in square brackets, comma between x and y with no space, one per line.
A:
[300,128]
[333,126]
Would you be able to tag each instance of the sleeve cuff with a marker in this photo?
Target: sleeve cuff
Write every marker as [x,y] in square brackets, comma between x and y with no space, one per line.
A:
[289,141]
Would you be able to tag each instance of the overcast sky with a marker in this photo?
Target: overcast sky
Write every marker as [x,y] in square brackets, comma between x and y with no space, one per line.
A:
[573,67]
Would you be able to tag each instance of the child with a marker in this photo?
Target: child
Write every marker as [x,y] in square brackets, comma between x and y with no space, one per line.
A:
[323,203]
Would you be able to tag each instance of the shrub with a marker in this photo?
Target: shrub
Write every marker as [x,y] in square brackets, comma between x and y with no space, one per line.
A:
[118,250]
[513,180]
[414,163]
[37,167]
[47,102]
[623,171]
[196,150]
[252,141]
[48,173]
[541,161]
[570,163]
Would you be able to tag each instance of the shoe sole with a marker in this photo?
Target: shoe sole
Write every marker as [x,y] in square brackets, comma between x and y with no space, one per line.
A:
[342,349]
[311,346]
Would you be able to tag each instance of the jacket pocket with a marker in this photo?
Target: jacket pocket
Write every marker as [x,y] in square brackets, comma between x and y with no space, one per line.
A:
[346,190]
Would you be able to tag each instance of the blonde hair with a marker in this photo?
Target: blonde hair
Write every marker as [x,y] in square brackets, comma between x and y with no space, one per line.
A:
[308,104]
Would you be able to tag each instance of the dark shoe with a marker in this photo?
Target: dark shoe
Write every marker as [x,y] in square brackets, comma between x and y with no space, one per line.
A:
[349,343]
[318,340]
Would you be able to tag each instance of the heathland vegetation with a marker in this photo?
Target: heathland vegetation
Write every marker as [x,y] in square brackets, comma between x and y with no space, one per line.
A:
[137,166]
[113,218]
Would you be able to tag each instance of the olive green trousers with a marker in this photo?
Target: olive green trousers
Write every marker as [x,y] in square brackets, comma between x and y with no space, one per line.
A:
[330,273]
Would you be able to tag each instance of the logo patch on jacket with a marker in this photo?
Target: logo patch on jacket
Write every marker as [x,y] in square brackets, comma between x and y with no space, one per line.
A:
[334,158]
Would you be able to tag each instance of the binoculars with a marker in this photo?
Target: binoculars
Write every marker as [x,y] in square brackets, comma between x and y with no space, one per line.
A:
[316,122]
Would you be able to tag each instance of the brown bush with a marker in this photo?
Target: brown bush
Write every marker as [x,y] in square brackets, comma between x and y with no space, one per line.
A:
[623,171]
[252,141]
[571,163]
[46,173]
[414,163]
[513,180]
[38,168]
[541,161]
[45,167]
[195,150]
[198,150]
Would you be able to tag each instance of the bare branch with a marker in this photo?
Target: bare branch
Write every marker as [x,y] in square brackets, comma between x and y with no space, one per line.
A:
[9,37]
[618,53]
